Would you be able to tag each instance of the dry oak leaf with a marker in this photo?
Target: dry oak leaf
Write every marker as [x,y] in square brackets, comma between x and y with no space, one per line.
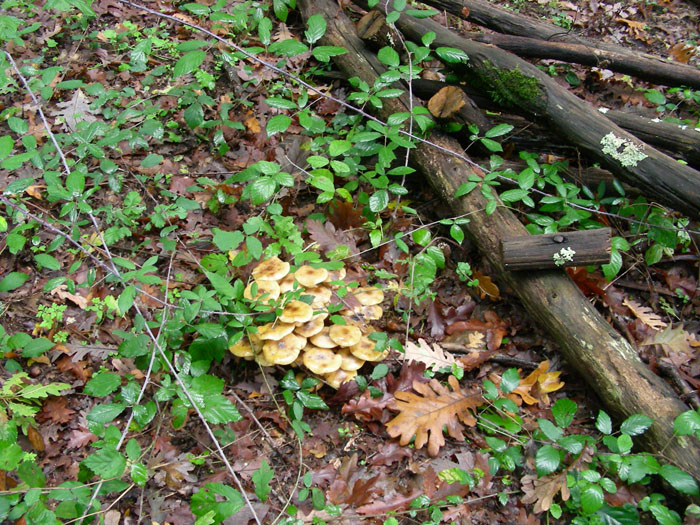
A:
[487,288]
[535,386]
[423,353]
[672,340]
[433,407]
[542,491]
[682,52]
[645,314]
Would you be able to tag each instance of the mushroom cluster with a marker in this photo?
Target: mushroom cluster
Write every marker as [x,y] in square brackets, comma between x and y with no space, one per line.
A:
[302,334]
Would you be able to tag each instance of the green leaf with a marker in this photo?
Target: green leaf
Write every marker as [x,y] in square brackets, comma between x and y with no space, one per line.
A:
[338,147]
[457,233]
[105,413]
[18,125]
[549,429]
[102,384]
[547,460]
[451,55]
[664,515]
[288,48]
[388,57]
[491,145]
[280,103]
[563,412]
[378,201]
[12,281]
[325,53]
[262,189]
[151,160]
[636,424]
[653,254]
[194,115]
[254,246]
[278,124]
[687,423]
[591,499]
[221,285]
[316,28]
[36,347]
[465,188]
[188,63]
[655,97]
[265,30]
[261,480]
[6,145]
[422,13]
[205,501]
[603,423]
[226,241]
[106,463]
[513,195]
[510,380]
[421,237]
[47,261]
[10,455]
[139,474]
[126,299]
[679,480]
[218,409]
[499,130]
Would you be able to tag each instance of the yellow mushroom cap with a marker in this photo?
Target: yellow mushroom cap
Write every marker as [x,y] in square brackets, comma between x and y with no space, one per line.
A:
[362,314]
[287,284]
[285,351]
[345,335]
[336,275]
[270,289]
[297,312]
[350,362]
[365,350]
[312,327]
[274,331]
[321,295]
[337,378]
[308,276]
[242,349]
[323,339]
[272,269]
[368,295]
[321,360]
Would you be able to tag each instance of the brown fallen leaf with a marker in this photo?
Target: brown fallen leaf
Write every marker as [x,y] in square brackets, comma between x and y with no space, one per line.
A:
[431,356]
[682,52]
[487,288]
[535,386]
[435,406]
[35,439]
[542,491]
[645,314]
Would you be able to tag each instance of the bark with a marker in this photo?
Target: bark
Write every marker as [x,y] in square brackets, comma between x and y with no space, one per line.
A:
[514,81]
[557,43]
[609,364]
[672,138]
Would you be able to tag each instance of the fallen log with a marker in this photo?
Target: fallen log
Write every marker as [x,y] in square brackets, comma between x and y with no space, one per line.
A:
[609,364]
[672,138]
[552,39]
[520,84]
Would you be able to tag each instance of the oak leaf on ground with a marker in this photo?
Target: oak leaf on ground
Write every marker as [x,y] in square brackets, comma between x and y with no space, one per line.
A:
[542,491]
[645,314]
[424,353]
[434,406]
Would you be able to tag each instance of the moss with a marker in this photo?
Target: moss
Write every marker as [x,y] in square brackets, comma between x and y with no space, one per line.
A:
[513,88]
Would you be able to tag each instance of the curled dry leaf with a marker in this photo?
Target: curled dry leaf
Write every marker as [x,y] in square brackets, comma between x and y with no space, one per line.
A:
[535,387]
[645,314]
[433,407]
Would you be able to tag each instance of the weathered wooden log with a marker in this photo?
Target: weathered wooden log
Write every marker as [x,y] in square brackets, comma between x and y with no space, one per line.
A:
[583,51]
[609,364]
[673,139]
[518,83]
[556,250]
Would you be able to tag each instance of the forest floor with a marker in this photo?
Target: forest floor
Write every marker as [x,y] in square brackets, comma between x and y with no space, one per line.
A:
[170,186]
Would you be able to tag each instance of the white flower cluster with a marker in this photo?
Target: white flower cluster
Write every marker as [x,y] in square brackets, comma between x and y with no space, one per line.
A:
[563,255]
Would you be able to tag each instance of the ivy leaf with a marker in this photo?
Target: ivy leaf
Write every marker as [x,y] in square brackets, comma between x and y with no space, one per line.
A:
[563,412]
[499,130]
[227,241]
[378,201]
[105,413]
[510,380]
[188,63]
[603,423]
[687,423]
[591,499]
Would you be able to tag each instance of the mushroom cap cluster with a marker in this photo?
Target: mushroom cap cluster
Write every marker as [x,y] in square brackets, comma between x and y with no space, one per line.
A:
[302,334]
